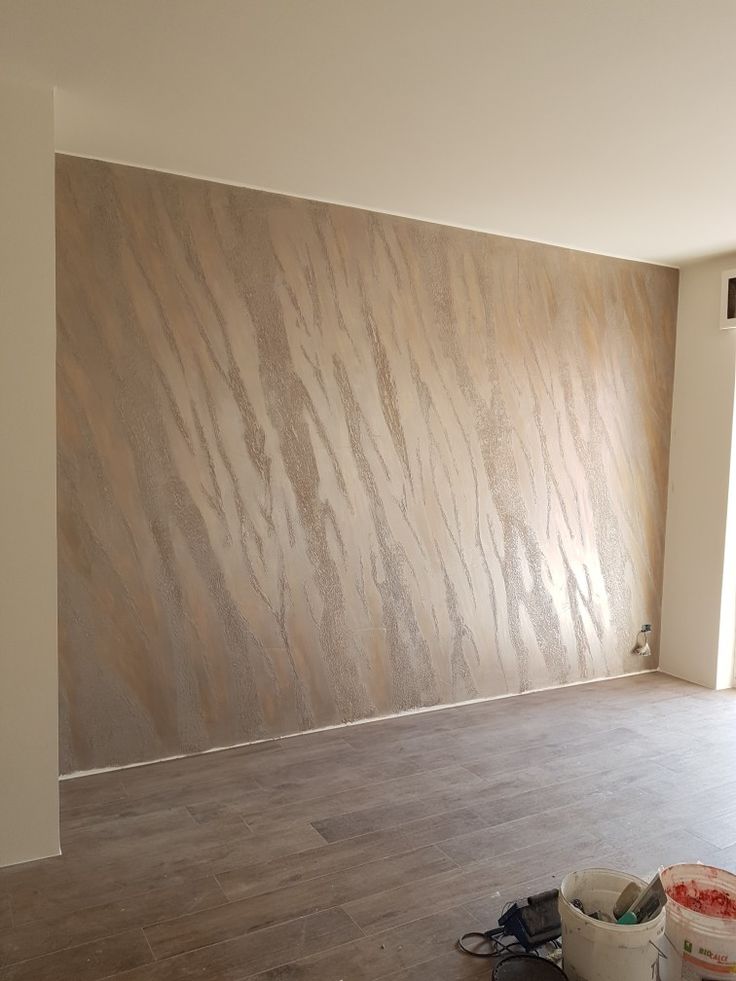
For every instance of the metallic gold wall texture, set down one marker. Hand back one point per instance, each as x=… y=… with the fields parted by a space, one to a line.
x=318 y=464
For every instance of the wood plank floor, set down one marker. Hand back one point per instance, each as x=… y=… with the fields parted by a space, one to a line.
x=362 y=853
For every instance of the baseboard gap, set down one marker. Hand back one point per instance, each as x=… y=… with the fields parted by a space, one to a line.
x=422 y=710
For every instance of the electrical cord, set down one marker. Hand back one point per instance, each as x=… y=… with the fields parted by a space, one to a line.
x=497 y=946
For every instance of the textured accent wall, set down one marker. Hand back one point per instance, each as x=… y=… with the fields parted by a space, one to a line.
x=318 y=464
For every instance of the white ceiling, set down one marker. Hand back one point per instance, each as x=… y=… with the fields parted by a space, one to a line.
x=605 y=125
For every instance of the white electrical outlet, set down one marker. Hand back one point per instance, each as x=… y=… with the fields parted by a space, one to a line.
x=641 y=647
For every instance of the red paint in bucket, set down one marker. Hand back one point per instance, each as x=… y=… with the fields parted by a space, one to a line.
x=708 y=902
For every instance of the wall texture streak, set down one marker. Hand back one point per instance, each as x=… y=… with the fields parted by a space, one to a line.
x=318 y=464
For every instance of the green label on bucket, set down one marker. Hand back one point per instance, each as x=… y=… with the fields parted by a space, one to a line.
x=688 y=947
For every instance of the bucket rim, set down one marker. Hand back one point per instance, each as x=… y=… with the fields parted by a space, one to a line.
x=517 y=957
x=633 y=930
x=726 y=922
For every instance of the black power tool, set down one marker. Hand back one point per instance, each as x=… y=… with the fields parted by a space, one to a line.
x=528 y=923
x=533 y=921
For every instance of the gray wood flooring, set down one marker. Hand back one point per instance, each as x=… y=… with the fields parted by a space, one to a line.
x=361 y=853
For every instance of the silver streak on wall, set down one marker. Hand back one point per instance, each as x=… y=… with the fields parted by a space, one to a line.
x=318 y=464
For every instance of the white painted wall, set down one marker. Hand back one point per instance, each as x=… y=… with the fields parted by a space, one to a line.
x=699 y=601
x=512 y=116
x=29 y=810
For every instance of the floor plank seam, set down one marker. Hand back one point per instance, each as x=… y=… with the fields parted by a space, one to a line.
x=357 y=925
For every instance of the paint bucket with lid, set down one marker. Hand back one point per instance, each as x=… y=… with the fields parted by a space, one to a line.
x=593 y=950
x=701 y=928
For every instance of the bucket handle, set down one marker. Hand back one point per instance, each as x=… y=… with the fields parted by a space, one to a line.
x=656 y=976
x=660 y=952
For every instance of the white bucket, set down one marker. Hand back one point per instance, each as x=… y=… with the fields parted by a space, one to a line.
x=698 y=947
x=596 y=951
